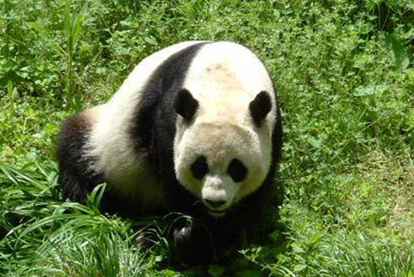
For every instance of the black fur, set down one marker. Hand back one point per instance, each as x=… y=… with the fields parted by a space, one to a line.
x=260 y=107
x=185 y=104
x=76 y=179
x=186 y=237
x=158 y=98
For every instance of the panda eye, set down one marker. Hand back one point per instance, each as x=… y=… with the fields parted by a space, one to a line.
x=199 y=168
x=237 y=170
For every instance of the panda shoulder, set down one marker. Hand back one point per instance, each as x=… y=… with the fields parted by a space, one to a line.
x=142 y=73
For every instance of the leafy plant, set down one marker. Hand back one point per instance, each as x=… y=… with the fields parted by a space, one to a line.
x=344 y=71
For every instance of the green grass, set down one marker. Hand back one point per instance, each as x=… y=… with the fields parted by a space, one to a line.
x=344 y=71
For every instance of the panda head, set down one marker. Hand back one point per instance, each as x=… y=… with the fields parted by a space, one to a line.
x=222 y=149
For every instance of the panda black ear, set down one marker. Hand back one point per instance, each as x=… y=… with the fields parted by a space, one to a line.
x=185 y=104
x=260 y=107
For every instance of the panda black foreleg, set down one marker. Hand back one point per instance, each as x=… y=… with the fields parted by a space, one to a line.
x=192 y=244
x=204 y=241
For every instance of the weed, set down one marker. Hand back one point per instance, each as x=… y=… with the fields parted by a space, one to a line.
x=344 y=71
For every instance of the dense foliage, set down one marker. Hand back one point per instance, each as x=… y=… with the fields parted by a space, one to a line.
x=345 y=74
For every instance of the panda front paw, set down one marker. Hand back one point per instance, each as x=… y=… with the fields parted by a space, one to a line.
x=192 y=245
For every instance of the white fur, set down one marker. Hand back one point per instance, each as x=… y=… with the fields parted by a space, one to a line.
x=225 y=77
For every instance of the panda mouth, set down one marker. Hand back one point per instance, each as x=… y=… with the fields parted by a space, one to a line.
x=216 y=213
x=215 y=210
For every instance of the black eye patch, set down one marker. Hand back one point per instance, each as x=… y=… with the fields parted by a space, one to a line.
x=199 y=168
x=237 y=170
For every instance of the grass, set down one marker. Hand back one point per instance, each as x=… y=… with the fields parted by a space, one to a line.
x=344 y=71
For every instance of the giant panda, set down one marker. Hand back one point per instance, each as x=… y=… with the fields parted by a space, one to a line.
x=196 y=129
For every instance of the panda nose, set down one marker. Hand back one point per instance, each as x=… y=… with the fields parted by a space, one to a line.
x=215 y=204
